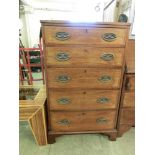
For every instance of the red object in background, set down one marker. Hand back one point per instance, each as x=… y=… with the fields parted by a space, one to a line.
x=27 y=65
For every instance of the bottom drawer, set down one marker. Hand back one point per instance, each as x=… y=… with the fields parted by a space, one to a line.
x=127 y=116
x=83 y=121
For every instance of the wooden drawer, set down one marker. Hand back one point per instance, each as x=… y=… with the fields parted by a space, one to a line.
x=84 y=35
x=82 y=121
x=127 y=116
x=82 y=99
x=130 y=82
x=129 y=99
x=83 y=78
x=80 y=56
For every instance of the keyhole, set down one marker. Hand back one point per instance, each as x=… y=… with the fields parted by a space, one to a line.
x=84 y=92
x=85 y=51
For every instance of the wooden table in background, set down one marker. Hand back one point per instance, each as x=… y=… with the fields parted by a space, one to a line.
x=33 y=111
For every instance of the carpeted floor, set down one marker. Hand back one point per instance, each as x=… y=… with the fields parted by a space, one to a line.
x=84 y=144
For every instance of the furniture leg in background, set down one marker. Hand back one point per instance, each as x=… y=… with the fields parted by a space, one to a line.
x=33 y=111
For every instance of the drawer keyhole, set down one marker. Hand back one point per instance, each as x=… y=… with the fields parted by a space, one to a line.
x=84 y=92
x=85 y=51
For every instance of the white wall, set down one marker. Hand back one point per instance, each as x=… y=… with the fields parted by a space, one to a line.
x=109 y=13
x=63 y=10
x=23 y=31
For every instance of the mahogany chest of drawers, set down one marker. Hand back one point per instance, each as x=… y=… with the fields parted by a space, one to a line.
x=84 y=65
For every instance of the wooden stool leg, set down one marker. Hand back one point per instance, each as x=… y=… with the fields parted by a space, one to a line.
x=38 y=126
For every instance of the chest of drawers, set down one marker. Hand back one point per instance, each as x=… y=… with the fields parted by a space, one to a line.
x=84 y=64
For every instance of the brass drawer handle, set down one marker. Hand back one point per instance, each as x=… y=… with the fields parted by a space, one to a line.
x=103 y=100
x=105 y=78
x=64 y=122
x=63 y=78
x=62 y=56
x=107 y=57
x=62 y=36
x=64 y=101
x=109 y=37
x=101 y=120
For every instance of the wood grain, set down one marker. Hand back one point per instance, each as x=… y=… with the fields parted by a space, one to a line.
x=90 y=24
x=84 y=35
x=129 y=99
x=84 y=69
x=127 y=116
x=83 y=78
x=83 y=99
x=26 y=112
x=84 y=57
x=81 y=121
x=130 y=56
x=38 y=125
x=33 y=111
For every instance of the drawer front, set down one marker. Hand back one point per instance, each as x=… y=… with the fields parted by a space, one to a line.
x=127 y=116
x=82 y=99
x=130 y=82
x=84 y=35
x=83 y=78
x=82 y=121
x=80 y=56
x=129 y=99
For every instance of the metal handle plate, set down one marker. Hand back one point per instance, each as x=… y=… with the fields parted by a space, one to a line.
x=64 y=122
x=107 y=57
x=62 y=36
x=62 y=56
x=63 y=78
x=101 y=120
x=109 y=37
x=105 y=78
x=64 y=101
x=103 y=100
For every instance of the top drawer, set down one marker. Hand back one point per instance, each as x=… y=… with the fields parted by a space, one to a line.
x=84 y=35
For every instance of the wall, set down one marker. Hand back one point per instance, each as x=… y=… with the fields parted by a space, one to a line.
x=23 y=30
x=61 y=10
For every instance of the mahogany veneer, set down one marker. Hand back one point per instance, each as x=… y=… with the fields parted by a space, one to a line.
x=84 y=65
